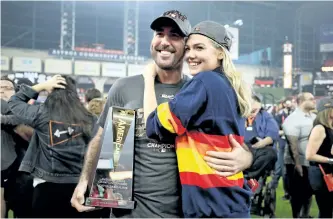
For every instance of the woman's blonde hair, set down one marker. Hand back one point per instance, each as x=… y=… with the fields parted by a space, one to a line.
x=323 y=118
x=235 y=78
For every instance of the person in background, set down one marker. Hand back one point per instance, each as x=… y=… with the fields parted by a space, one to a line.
x=8 y=152
x=297 y=127
x=319 y=152
x=280 y=117
x=260 y=134
x=91 y=94
x=63 y=127
x=96 y=106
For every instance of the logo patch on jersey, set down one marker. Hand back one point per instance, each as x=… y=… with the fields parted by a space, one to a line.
x=62 y=132
x=167 y=96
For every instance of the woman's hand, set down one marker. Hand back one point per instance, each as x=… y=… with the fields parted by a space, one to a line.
x=149 y=73
x=55 y=82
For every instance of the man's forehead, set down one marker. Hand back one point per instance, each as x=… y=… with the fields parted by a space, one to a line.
x=168 y=28
x=7 y=83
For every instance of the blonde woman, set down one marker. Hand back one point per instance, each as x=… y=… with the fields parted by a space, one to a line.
x=319 y=153
x=201 y=118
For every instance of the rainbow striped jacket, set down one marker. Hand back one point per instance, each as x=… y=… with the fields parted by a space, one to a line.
x=200 y=118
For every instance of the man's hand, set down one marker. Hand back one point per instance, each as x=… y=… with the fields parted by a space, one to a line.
x=259 y=144
x=299 y=169
x=77 y=200
x=229 y=163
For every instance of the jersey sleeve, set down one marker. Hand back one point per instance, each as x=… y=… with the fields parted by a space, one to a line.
x=175 y=117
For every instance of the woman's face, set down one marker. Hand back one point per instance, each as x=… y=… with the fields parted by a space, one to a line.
x=330 y=117
x=201 y=55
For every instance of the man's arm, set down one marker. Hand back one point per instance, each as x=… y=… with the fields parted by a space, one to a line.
x=10 y=120
x=91 y=156
x=293 y=144
x=292 y=133
x=229 y=163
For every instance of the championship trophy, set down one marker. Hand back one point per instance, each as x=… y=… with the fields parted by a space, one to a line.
x=112 y=182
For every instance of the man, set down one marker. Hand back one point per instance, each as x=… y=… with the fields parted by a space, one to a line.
x=156 y=178
x=281 y=116
x=8 y=153
x=15 y=136
x=261 y=133
x=297 y=128
x=91 y=94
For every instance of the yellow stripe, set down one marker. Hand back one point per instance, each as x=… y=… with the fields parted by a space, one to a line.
x=236 y=176
x=164 y=115
x=189 y=160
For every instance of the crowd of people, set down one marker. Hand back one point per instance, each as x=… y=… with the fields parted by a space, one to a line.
x=220 y=136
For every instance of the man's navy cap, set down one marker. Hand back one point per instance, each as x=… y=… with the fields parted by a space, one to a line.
x=324 y=103
x=215 y=32
x=175 y=17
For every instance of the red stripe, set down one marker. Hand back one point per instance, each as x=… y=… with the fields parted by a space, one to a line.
x=177 y=124
x=208 y=180
x=214 y=140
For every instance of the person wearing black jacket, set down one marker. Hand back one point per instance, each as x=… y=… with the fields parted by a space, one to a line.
x=63 y=127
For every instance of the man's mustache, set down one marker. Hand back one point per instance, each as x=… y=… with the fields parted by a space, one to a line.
x=165 y=48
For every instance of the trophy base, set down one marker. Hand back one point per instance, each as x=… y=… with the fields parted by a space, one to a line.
x=109 y=203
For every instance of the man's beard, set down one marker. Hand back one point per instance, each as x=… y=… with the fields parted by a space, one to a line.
x=176 y=64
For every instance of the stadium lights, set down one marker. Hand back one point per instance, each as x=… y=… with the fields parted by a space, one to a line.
x=238 y=23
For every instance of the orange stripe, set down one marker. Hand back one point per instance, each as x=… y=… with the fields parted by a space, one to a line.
x=177 y=124
x=216 y=140
x=208 y=180
x=202 y=148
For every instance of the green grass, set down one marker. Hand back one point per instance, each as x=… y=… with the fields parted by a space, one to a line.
x=283 y=209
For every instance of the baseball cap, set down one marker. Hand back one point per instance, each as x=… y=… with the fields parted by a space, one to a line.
x=175 y=17
x=324 y=103
x=215 y=32
x=258 y=97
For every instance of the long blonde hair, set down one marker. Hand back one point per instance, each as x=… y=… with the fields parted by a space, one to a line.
x=323 y=118
x=235 y=78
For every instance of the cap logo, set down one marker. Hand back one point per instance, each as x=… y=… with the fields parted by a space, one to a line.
x=175 y=14
x=197 y=29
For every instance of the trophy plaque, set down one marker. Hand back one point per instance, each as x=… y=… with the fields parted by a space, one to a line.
x=112 y=182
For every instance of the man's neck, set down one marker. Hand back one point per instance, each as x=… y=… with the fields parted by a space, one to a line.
x=169 y=77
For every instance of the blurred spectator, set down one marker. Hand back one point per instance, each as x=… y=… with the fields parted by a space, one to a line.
x=14 y=142
x=260 y=134
x=283 y=113
x=96 y=106
x=92 y=93
x=297 y=127
x=319 y=152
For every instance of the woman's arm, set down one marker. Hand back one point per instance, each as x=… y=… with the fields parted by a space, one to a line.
x=317 y=137
x=172 y=118
x=149 y=98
